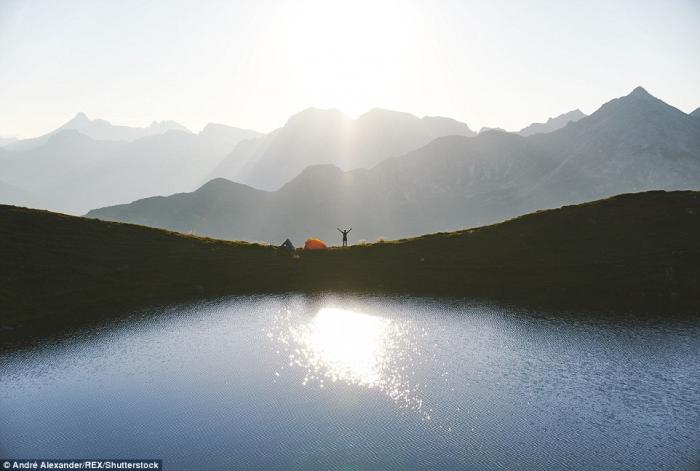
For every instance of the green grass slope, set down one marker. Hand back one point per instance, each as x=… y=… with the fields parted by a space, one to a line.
x=633 y=251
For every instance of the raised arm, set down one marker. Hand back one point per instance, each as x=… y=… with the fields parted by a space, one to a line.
x=349 y=229
x=339 y=230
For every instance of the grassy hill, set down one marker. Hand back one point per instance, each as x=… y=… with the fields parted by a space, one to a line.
x=635 y=251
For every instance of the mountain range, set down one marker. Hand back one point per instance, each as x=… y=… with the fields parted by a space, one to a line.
x=73 y=170
x=629 y=144
x=329 y=137
x=98 y=129
x=87 y=163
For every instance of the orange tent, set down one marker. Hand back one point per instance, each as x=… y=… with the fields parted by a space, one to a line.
x=315 y=244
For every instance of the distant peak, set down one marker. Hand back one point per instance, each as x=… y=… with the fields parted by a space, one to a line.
x=78 y=122
x=311 y=115
x=216 y=127
x=312 y=111
x=216 y=183
x=574 y=115
x=321 y=169
x=166 y=126
x=384 y=112
x=635 y=105
x=488 y=129
x=80 y=118
x=639 y=92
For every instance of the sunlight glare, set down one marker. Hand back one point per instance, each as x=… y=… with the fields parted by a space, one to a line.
x=354 y=348
x=348 y=345
x=347 y=55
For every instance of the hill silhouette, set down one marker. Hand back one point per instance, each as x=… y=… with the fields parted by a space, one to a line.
x=631 y=251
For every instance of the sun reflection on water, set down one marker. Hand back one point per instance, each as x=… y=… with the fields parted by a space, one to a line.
x=355 y=348
x=345 y=345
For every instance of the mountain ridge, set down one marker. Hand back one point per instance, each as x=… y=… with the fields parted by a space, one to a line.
x=552 y=124
x=72 y=172
x=316 y=136
x=99 y=129
x=631 y=144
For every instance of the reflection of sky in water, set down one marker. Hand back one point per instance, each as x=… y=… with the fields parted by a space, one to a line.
x=342 y=345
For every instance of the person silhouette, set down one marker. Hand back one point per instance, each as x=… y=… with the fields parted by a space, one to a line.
x=345 y=235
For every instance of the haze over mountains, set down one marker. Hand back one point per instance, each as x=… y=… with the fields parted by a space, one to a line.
x=329 y=137
x=74 y=169
x=630 y=144
x=87 y=163
x=98 y=129
x=390 y=173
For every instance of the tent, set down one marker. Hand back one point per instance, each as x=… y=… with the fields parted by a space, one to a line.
x=315 y=244
x=287 y=245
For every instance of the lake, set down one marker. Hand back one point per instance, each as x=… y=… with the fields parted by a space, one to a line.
x=353 y=382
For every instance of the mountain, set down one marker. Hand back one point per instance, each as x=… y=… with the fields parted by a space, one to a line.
x=102 y=130
x=552 y=124
x=634 y=143
x=631 y=144
x=72 y=172
x=487 y=129
x=643 y=245
x=329 y=137
x=421 y=191
x=441 y=126
x=61 y=156
x=99 y=129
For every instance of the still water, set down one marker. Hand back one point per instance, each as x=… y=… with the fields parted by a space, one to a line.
x=345 y=382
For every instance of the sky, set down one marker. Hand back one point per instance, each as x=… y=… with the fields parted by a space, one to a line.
x=254 y=63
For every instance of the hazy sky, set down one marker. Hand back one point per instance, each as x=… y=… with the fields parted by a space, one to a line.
x=254 y=63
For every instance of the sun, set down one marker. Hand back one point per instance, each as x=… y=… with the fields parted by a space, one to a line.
x=349 y=55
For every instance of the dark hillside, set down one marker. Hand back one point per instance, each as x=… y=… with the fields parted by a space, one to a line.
x=635 y=251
